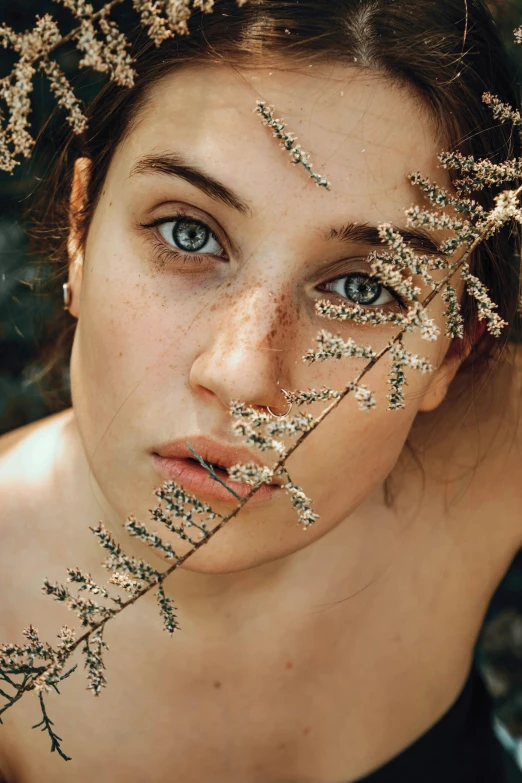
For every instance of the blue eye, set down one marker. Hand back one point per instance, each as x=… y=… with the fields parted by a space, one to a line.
x=190 y=235
x=361 y=289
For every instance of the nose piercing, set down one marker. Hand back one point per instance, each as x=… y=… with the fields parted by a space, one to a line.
x=279 y=416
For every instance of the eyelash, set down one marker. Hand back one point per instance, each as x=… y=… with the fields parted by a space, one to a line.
x=167 y=254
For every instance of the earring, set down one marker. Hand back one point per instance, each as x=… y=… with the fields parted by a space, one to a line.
x=66 y=296
x=279 y=416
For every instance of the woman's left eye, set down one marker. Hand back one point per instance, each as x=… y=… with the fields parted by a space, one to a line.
x=189 y=235
x=361 y=289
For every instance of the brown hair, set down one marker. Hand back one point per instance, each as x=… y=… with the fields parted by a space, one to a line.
x=448 y=52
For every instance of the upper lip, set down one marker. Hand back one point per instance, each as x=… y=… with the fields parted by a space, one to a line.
x=210 y=451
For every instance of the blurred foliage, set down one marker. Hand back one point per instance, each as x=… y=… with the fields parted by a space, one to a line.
x=499 y=651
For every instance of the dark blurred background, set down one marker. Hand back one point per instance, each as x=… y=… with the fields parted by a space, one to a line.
x=23 y=311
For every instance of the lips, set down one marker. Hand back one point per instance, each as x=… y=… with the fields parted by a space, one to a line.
x=174 y=460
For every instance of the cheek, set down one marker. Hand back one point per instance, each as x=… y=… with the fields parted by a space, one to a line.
x=349 y=455
x=132 y=342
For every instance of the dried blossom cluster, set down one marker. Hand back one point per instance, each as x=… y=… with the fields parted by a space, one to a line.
x=297 y=154
x=31 y=46
x=165 y=18
x=104 y=48
x=39 y=665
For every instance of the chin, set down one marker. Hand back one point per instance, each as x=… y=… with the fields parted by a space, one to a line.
x=213 y=566
x=226 y=559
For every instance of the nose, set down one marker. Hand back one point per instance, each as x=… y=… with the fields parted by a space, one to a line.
x=247 y=351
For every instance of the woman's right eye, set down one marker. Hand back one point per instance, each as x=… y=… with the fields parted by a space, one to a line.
x=190 y=236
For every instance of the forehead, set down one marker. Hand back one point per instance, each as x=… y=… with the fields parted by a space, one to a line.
x=361 y=131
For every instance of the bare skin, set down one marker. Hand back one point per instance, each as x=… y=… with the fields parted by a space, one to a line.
x=297 y=662
x=391 y=660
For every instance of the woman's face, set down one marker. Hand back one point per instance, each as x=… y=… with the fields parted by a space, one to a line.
x=167 y=337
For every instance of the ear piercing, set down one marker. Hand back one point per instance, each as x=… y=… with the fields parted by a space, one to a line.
x=66 y=296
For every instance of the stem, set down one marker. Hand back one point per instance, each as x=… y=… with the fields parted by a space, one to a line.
x=210 y=470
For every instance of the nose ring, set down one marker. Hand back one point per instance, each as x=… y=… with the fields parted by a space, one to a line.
x=279 y=416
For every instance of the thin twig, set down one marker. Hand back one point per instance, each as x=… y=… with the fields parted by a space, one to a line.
x=209 y=468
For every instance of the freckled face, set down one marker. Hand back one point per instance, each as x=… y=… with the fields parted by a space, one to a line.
x=187 y=302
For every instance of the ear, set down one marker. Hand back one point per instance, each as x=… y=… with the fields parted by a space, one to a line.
x=442 y=377
x=74 y=248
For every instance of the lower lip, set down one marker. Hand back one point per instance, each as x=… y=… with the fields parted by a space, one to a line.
x=196 y=479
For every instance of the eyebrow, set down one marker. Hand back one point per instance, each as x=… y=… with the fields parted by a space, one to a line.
x=175 y=164
x=416 y=238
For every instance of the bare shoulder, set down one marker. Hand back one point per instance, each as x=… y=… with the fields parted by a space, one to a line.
x=25 y=501
x=26 y=458
x=26 y=486
x=27 y=490
x=31 y=441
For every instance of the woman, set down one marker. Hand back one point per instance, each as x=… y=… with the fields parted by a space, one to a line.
x=194 y=255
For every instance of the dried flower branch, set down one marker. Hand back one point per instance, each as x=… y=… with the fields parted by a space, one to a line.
x=104 y=48
x=502 y=111
x=15 y=89
x=296 y=152
x=258 y=428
